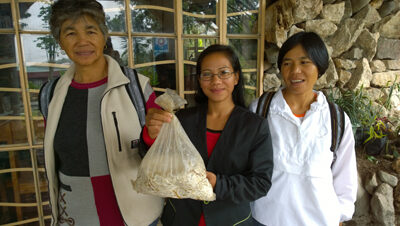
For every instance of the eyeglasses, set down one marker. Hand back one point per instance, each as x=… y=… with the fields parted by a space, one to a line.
x=207 y=76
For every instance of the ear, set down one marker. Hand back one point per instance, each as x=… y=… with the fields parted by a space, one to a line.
x=236 y=78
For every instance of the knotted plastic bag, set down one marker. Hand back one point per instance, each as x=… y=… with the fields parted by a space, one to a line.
x=172 y=166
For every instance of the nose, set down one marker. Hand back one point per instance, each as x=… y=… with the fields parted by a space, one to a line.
x=295 y=68
x=215 y=78
x=82 y=38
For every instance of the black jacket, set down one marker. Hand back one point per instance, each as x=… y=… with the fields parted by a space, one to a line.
x=242 y=160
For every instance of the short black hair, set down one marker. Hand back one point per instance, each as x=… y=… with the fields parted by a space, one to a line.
x=238 y=91
x=312 y=44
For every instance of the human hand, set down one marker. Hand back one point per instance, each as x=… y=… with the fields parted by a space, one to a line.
x=212 y=178
x=154 y=120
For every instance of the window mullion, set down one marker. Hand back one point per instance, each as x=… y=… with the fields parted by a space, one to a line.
x=261 y=47
x=179 y=48
x=222 y=21
x=130 y=33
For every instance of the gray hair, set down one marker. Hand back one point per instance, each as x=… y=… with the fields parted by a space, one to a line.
x=63 y=10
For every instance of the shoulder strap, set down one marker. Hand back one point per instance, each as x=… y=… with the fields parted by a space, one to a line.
x=263 y=104
x=135 y=92
x=337 y=124
x=45 y=95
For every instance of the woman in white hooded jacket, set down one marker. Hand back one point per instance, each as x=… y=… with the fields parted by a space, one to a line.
x=308 y=187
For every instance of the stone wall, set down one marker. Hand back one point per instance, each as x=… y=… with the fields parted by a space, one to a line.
x=363 y=40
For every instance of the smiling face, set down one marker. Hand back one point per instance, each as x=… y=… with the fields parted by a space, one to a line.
x=298 y=71
x=83 y=41
x=218 y=90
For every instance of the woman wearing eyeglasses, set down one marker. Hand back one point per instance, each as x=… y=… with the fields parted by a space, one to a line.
x=234 y=143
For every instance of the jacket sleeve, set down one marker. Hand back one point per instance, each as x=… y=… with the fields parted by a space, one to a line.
x=149 y=97
x=344 y=172
x=256 y=180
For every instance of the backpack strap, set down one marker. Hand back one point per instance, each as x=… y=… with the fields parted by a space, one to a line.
x=263 y=104
x=337 y=125
x=135 y=93
x=45 y=95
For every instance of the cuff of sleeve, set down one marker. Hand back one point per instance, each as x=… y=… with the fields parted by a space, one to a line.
x=146 y=137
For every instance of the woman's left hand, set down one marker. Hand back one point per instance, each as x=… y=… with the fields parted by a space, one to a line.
x=212 y=178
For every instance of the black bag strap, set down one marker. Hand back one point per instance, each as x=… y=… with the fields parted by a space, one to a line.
x=45 y=95
x=135 y=92
x=337 y=119
x=263 y=104
x=337 y=126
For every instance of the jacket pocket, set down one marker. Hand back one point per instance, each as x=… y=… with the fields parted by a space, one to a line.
x=117 y=129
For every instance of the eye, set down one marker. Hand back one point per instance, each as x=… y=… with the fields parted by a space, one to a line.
x=70 y=34
x=285 y=63
x=225 y=73
x=305 y=62
x=206 y=75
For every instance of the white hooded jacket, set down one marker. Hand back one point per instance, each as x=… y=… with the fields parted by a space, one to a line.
x=306 y=188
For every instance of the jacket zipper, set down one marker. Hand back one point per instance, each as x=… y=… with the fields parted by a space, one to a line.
x=245 y=219
x=116 y=127
x=108 y=165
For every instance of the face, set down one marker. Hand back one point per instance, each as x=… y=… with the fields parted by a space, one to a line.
x=82 y=40
x=217 y=89
x=298 y=71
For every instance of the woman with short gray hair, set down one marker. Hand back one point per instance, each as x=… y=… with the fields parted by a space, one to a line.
x=93 y=129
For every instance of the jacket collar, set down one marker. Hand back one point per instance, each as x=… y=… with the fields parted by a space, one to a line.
x=115 y=75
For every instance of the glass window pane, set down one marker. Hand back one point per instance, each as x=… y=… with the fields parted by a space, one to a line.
x=35 y=104
x=5 y=16
x=37 y=76
x=249 y=96
x=152 y=21
x=9 y=78
x=163 y=3
x=34 y=16
x=200 y=26
x=151 y=73
x=7 y=49
x=115 y=15
x=243 y=24
x=17 y=187
x=190 y=99
x=153 y=49
x=250 y=79
x=193 y=47
x=40 y=161
x=246 y=50
x=11 y=104
x=190 y=79
x=203 y=7
x=44 y=190
x=42 y=49
x=118 y=49
x=166 y=75
x=242 y=5
x=12 y=132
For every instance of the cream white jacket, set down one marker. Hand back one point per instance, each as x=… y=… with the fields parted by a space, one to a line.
x=136 y=209
x=305 y=189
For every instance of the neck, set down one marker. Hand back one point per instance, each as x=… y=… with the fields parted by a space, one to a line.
x=218 y=114
x=220 y=109
x=299 y=103
x=91 y=73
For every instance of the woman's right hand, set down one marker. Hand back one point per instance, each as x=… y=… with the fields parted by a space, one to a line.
x=154 y=120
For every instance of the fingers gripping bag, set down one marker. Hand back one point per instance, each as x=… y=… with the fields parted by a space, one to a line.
x=172 y=166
